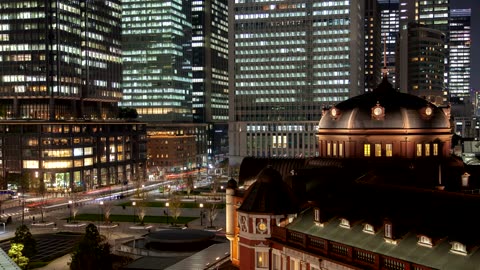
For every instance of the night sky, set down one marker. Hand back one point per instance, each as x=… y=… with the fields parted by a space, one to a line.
x=475 y=49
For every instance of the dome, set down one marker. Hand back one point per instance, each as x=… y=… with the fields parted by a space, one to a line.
x=269 y=194
x=385 y=108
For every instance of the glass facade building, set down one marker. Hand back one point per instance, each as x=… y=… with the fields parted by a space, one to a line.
x=157 y=59
x=389 y=10
x=60 y=66
x=460 y=46
x=290 y=59
x=210 y=73
x=373 y=45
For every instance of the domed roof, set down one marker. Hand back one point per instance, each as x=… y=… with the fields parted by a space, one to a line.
x=269 y=194
x=385 y=107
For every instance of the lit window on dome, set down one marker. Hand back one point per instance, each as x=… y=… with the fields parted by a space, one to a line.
x=427 y=149
x=388 y=150
x=419 y=150
x=366 y=150
x=378 y=150
x=435 y=149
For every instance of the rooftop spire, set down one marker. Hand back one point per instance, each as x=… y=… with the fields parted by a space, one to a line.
x=385 y=69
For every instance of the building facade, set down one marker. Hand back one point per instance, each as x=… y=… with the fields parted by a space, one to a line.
x=289 y=61
x=367 y=208
x=374 y=45
x=60 y=85
x=390 y=22
x=210 y=73
x=460 y=46
x=157 y=59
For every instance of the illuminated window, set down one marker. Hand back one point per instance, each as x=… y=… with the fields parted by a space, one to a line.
x=435 y=149
x=378 y=150
x=419 y=150
x=366 y=150
x=388 y=230
x=262 y=259
x=334 y=149
x=458 y=248
x=30 y=164
x=329 y=150
x=368 y=228
x=427 y=149
x=276 y=261
x=316 y=214
x=344 y=223
x=425 y=241
x=340 y=149
x=388 y=150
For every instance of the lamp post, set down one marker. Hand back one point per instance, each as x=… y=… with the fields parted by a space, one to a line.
x=101 y=211
x=70 y=207
x=201 y=214
x=134 y=204
x=166 y=211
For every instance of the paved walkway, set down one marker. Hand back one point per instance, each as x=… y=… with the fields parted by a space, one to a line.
x=123 y=230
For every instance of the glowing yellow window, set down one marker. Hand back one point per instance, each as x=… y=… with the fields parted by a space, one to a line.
x=435 y=149
x=334 y=149
x=329 y=149
x=378 y=150
x=427 y=149
x=366 y=150
x=419 y=150
x=340 y=149
x=388 y=150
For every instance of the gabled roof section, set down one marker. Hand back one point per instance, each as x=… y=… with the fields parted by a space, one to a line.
x=270 y=195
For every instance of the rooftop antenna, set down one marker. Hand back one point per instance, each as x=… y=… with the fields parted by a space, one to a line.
x=385 y=69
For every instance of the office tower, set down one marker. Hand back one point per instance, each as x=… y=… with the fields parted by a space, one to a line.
x=288 y=61
x=389 y=10
x=460 y=43
x=156 y=44
x=157 y=70
x=375 y=45
x=210 y=73
x=423 y=15
x=425 y=70
x=60 y=66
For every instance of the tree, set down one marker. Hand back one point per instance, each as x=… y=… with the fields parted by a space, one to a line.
x=92 y=252
x=15 y=253
x=189 y=184
x=24 y=237
x=107 y=210
x=127 y=113
x=42 y=191
x=212 y=213
x=175 y=207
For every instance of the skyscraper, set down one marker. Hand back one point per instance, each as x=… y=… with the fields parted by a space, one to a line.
x=460 y=44
x=60 y=66
x=390 y=27
x=289 y=60
x=423 y=15
x=157 y=75
x=373 y=42
x=210 y=72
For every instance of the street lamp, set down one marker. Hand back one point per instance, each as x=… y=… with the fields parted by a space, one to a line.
x=70 y=207
x=201 y=214
x=166 y=211
x=101 y=213
x=134 y=204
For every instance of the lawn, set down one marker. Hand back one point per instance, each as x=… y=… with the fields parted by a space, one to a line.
x=129 y=218
x=182 y=205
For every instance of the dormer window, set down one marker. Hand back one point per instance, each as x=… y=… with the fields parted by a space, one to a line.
x=458 y=248
x=316 y=217
x=368 y=228
x=425 y=241
x=344 y=223
x=388 y=233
